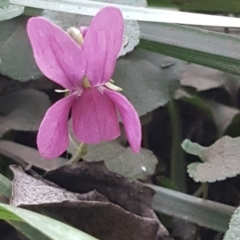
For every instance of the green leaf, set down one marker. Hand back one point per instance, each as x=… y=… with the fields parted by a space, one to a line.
x=27 y=231
x=202 y=212
x=142 y=74
x=211 y=49
x=220 y=160
x=17 y=61
x=230 y=6
x=4 y=3
x=193 y=148
x=10 y=12
x=166 y=183
x=234 y=227
x=121 y=160
x=52 y=228
x=5 y=186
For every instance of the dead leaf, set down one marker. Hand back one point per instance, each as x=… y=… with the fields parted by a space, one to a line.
x=223 y=115
x=98 y=217
x=26 y=190
x=85 y=177
x=201 y=78
x=126 y=193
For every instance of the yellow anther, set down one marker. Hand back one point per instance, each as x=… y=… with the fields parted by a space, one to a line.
x=86 y=83
x=76 y=35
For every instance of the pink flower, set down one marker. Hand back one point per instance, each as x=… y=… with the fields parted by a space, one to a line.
x=84 y=70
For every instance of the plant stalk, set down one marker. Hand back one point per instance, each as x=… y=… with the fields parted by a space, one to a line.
x=81 y=151
x=178 y=168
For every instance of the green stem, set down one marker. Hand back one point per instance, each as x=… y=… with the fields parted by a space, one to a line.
x=178 y=175
x=205 y=190
x=5 y=186
x=197 y=233
x=199 y=191
x=81 y=151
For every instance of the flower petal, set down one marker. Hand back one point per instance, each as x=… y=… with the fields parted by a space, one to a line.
x=57 y=55
x=94 y=117
x=83 y=30
x=52 y=139
x=129 y=117
x=102 y=44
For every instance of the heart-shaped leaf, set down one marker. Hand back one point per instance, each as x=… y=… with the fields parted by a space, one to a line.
x=220 y=160
x=122 y=160
x=234 y=228
x=22 y=110
x=149 y=80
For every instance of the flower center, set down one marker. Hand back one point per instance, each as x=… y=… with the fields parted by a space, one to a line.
x=77 y=36
x=86 y=83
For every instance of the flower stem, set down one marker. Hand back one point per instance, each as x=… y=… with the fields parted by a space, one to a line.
x=81 y=151
x=178 y=167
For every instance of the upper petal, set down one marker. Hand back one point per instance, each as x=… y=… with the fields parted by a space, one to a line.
x=52 y=138
x=129 y=117
x=57 y=55
x=102 y=44
x=94 y=117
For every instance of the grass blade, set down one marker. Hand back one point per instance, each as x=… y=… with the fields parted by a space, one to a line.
x=202 y=212
x=207 y=48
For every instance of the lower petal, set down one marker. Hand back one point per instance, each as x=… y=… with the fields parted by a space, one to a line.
x=129 y=117
x=94 y=117
x=52 y=139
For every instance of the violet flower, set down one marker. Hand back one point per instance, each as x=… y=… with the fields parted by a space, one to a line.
x=84 y=69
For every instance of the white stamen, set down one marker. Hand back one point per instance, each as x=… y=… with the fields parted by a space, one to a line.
x=61 y=90
x=113 y=87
